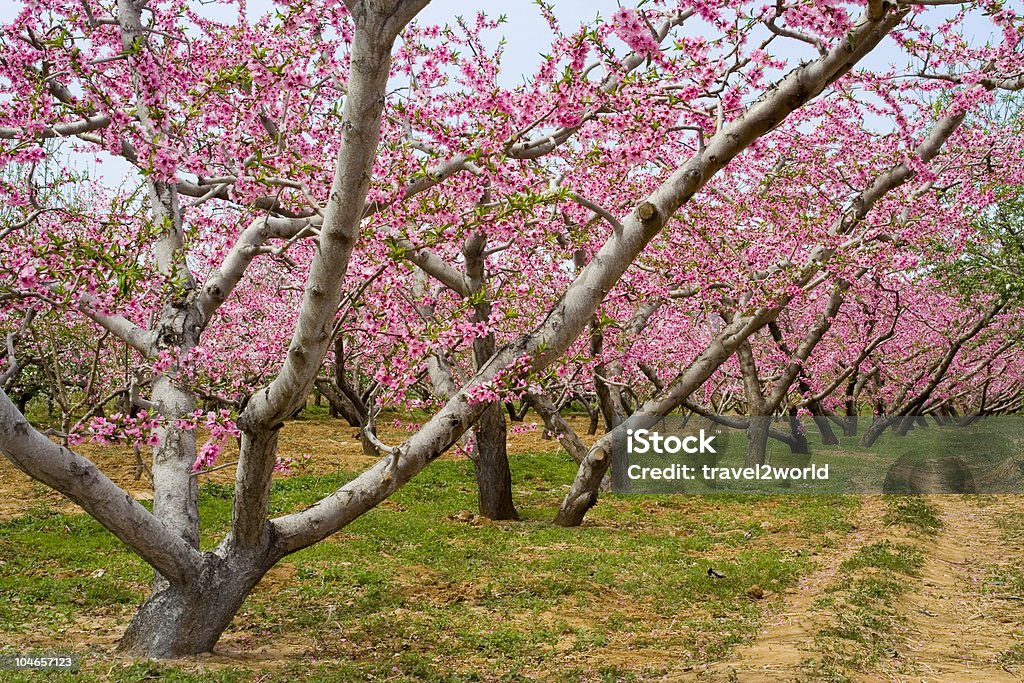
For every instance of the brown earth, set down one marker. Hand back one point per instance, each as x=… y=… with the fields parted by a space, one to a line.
x=960 y=625
x=328 y=444
x=777 y=653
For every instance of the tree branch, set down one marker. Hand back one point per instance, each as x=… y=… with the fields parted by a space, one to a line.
x=81 y=481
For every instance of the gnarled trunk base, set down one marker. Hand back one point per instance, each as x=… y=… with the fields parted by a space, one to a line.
x=877 y=428
x=178 y=621
x=583 y=493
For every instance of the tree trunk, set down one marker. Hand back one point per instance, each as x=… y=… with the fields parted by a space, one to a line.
x=799 y=443
x=828 y=437
x=760 y=421
x=757 y=441
x=851 y=425
x=176 y=622
x=556 y=424
x=493 y=476
x=583 y=492
x=878 y=426
x=175 y=490
x=514 y=414
x=179 y=621
x=907 y=424
x=595 y=416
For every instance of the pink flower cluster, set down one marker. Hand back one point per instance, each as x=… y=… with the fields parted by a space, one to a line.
x=634 y=31
x=221 y=427
x=137 y=430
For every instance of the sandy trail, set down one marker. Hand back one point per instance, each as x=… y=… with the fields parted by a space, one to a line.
x=957 y=625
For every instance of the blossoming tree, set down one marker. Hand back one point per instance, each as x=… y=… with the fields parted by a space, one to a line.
x=299 y=172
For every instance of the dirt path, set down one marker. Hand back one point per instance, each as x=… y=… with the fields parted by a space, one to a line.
x=959 y=627
x=776 y=655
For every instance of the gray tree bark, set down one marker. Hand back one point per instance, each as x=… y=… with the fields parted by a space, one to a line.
x=493 y=474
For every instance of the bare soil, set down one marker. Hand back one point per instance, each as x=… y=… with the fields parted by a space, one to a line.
x=788 y=633
x=960 y=625
x=317 y=446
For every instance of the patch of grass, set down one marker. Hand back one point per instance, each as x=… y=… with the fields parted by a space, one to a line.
x=1013 y=655
x=419 y=589
x=1012 y=526
x=93 y=671
x=1007 y=581
x=912 y=512
x=56 y=568
x=864 y=630
x=901 y=558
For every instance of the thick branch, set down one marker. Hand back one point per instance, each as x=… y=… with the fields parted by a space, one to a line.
x=378 y=24
x=222 y=281
x=556 y=424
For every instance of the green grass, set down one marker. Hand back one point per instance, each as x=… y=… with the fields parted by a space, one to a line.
x=418 y=589
x=901 y=558
x=1012 y=526
x=914 y=513
x=55 y=565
